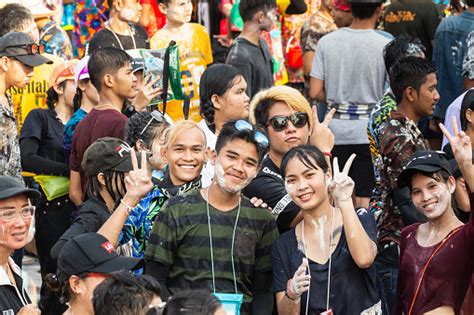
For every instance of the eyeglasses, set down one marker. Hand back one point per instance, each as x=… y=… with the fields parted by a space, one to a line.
x=31 y=49
x=24 y=213
x=155 y=115
x=261 y=139
x=279 y=123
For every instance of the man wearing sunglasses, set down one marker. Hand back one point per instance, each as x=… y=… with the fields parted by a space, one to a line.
x=289 y=121
x=19 y=54
x=214 y=238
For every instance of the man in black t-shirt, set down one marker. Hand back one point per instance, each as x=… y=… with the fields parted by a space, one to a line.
x=416 y=18
x=250 y=53
x=121 y=30
x=289 y=121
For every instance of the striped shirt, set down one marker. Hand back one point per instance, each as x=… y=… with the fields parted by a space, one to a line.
x=180 y=239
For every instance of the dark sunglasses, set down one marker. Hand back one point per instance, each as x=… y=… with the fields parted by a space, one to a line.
x=155 y=115
x=261 y=139
x=279 y=123
x=31 y=49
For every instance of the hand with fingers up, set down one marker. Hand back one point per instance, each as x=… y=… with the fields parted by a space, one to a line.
x=138 y=181
x=462 y=150
x=147 y=93
x=341 y=186
x=321 y=136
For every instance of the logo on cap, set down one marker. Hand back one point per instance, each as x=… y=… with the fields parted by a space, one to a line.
x=108 y=247
x=122 y=148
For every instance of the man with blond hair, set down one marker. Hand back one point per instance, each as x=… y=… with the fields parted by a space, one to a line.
x=289 y=121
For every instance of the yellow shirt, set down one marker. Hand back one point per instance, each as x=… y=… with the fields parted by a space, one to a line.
x=33 y=95
x=195 y=54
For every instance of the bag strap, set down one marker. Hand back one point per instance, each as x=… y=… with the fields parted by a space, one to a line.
x=444 y=241
x=166 y=75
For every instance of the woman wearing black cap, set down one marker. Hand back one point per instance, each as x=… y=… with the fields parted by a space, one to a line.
x=427 y=281
x=84 y=262
x=16 y=213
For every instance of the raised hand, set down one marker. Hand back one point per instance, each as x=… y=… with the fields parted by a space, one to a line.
x=299 y=284
x=460 y=144
x=341 y=186
x=321 y=136
x=138 y=181
x=147 y=93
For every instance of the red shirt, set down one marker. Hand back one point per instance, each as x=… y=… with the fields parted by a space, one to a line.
x=96 y=124
x=448 y=275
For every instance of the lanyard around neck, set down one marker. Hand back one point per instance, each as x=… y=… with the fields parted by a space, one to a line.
x=212 y=249
x=132 y=35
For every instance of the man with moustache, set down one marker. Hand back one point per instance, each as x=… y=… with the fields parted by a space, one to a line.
x=214 y=238
x=289 y=121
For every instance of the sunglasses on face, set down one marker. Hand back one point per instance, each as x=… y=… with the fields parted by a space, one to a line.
x=31 y=49
x=261 y=139
x=279 y=123
x=155 y=115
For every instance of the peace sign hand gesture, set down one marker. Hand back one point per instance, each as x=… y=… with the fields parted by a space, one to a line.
x=138 y=181
x=321 y=136
x=341 y=186
x=460 y=144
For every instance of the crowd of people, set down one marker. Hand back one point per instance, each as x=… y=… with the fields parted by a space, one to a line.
x=237 y=157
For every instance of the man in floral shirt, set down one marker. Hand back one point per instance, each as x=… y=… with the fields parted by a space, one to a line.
x=18 y=57
x=413 y=82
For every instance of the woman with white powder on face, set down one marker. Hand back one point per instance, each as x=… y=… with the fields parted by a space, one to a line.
x=325 y=264
x=436 y=257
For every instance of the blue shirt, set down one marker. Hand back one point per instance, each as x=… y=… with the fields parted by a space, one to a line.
x=69 y=131
x=448 y=54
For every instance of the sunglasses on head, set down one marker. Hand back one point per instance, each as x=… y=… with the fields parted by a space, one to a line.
x=261 y=139
x=155 y=115
x=279 y=123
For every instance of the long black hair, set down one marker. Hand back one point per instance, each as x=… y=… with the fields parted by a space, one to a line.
x=114 y=184
x=52 y=97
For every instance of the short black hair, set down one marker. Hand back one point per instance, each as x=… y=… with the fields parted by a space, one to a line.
x=308 y=155
x=192 y=302
x=469 y=3
x=467 y=103
x=229 y=133
x=409 y=72
x=402 y=46
x=106 y=61
x=364 y=11
x=13 y=18
x=248 y=8
x=121 y=294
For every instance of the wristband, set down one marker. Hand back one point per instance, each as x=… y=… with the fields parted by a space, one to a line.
x=127 y=207
x=295 y=301
x=289 y=293
x=328 y=154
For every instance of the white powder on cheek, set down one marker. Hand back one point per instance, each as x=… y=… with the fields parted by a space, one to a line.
x=443 y=196
x=289 y=188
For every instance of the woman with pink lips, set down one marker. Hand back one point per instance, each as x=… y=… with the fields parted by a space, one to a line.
x=223 y=96
x=16 y=213
x=436 y=257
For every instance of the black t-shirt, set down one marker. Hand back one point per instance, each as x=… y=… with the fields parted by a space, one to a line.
x=254 y=62
x=352 y=290
x=416 y=18
x=44 y=132
x=10 y=300
x=270 y=187
x=105 y=38
x=92 y=215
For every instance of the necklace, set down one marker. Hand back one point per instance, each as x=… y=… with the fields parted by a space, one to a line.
x=330 y=261
x=132 y=35
x=212 y=249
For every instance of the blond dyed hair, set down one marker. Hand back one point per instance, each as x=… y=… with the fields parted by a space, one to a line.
x=285 y=94
x=179 y=127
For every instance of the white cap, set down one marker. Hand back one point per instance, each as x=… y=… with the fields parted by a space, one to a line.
x=81 y=71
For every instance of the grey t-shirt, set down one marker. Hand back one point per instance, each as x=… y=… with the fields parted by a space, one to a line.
x=351 y=64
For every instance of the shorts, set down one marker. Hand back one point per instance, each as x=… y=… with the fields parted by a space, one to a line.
x=362 y=170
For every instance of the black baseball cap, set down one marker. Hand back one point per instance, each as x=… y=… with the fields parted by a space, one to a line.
x=92 y=252
x=425 y=161
x=137 y=64
x=107 y=154
x=16 y=44
x=10 y=187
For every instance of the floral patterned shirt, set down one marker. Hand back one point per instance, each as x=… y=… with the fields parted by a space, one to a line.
x=10 y=161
